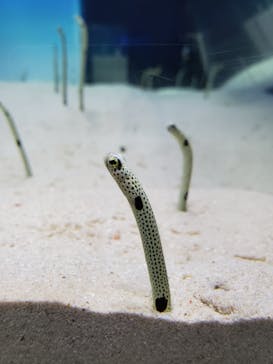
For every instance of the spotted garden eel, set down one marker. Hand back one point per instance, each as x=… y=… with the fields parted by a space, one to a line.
x=138 y=200
x=64 y=64
x=17 y=139
x=187 y=165
x=84 y=48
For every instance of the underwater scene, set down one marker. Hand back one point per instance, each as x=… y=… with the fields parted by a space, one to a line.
x=136 y=181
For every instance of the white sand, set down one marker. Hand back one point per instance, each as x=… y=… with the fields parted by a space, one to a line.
x=69 y=242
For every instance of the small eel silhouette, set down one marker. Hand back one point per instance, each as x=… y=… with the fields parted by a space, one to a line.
x=187 y=165
x=64 y=64
x=17 y=139
x=138 y=200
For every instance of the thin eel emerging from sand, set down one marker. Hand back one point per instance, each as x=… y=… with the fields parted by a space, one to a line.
x=187 y=165
x=17 y=139
x=143 y=212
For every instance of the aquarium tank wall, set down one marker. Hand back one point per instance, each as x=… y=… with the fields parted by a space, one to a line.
x=184 y=34
x=182 y=43
x=28 y=34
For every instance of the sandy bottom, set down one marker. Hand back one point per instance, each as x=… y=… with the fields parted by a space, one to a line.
x=74 y=284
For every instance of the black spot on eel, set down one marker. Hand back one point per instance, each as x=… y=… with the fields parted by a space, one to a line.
x=138 y=200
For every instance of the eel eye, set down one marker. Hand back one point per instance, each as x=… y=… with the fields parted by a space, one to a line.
x=115 y=163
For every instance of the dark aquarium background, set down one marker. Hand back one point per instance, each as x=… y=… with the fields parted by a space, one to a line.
x=183 y=43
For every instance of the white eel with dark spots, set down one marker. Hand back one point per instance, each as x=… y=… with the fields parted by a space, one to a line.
x=146 y=222
x=187 y=165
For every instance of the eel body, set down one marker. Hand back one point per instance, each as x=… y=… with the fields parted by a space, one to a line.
x=133 y=191
x=17 y=139
x=187 y=165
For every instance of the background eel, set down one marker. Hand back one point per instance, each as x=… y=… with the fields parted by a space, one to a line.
x=187 y=165
x=145 y=219
x=17 y=139
x=84 y=48
x=64 y=63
